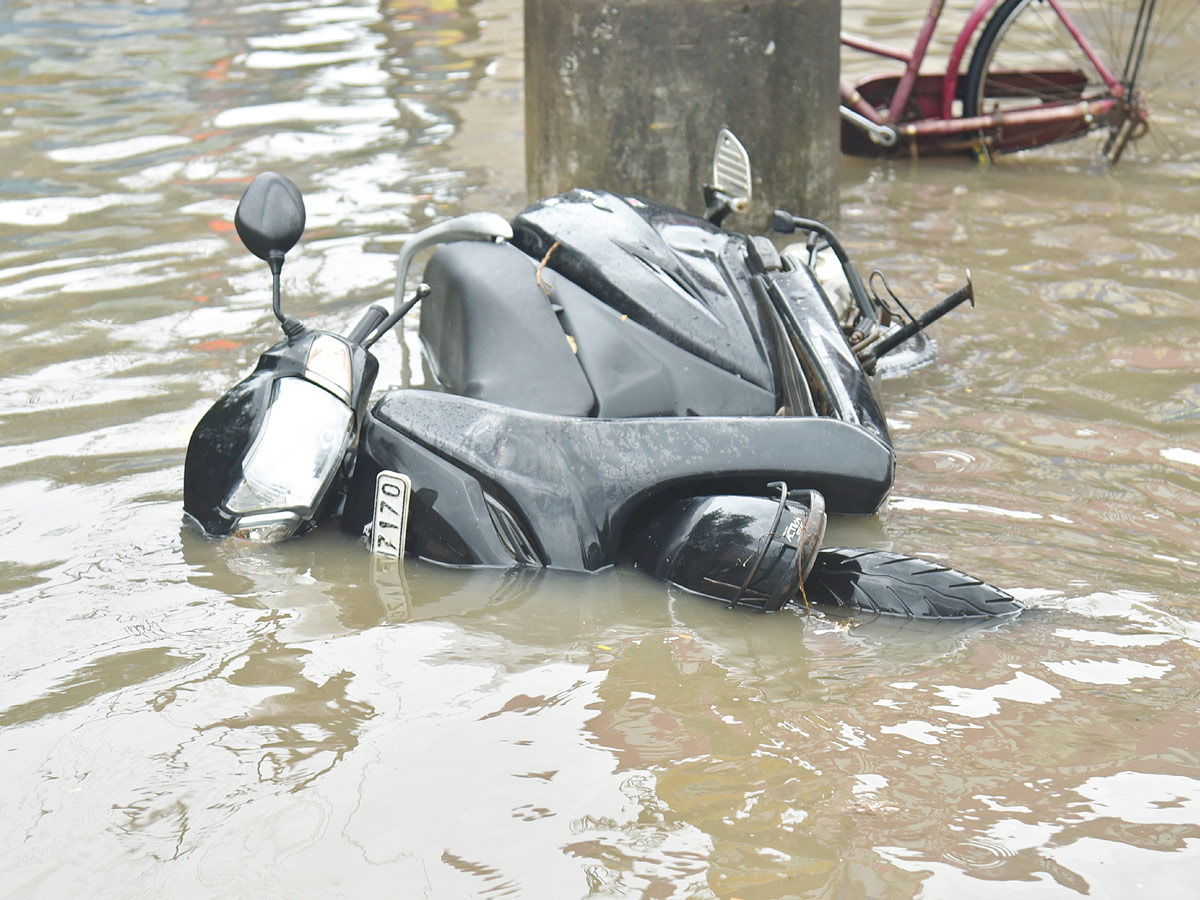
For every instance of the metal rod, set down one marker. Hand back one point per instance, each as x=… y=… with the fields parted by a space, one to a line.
x=1106 y=74
x=1088 y=109
x=875 y=48
x=909 y=78
x=883 y=135
x=927 y=318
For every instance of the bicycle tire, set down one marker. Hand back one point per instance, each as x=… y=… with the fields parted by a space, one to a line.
x=1019 y=36
x=889 y=584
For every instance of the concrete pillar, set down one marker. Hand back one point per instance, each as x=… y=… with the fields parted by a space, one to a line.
x=628 y=96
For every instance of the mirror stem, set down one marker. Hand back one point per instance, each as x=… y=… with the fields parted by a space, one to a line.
x=717 y=204
x=291 y=327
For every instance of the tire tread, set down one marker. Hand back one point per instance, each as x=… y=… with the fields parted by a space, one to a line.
x=885 y=583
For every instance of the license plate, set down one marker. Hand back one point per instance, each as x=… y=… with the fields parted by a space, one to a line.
x=390 y=525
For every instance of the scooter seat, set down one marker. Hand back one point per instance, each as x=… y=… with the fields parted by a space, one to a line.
x=571 y=484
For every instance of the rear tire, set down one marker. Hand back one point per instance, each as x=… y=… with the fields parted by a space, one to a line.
x=883 y=583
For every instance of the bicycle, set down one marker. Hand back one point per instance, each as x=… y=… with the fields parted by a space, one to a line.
x=1036 y=77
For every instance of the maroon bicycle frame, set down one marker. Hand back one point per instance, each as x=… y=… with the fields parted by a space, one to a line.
x=935 y=128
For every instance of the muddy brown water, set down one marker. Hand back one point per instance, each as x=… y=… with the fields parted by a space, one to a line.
x=192 y=719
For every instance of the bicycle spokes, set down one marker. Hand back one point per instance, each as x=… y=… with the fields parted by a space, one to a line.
x=1041 y=72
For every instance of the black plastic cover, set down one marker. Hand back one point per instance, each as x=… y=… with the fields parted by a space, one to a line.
x=491 y=332
x=743 y=550
x=448 y=520
x=574 y=484
x=217 y=447
x=670 y=271
x=837 y=381
x=635 y=372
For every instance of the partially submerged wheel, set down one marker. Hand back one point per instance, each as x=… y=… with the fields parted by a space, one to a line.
x=883 y=583
x=1027 y=59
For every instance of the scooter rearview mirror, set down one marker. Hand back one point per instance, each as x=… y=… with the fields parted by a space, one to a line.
x=269 y=220
x=270 y=216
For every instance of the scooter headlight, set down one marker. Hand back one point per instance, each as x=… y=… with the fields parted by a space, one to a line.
x=292 y=462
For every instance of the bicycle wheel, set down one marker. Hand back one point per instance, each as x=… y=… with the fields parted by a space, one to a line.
x=1027 y=59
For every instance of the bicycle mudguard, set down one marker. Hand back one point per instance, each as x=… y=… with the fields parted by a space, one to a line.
x=560 y=490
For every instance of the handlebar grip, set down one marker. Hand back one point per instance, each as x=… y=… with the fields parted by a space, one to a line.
x=367 y=324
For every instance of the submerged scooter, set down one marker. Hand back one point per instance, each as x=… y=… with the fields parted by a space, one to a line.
x=620 y=382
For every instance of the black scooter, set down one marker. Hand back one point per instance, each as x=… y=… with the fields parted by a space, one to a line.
x=621 y=383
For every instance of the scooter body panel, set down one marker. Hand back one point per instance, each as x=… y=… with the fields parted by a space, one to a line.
x=575 y=354
x=573 y=484
x=663 y=268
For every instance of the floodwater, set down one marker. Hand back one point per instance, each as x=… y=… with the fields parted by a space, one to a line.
x=182 y=718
